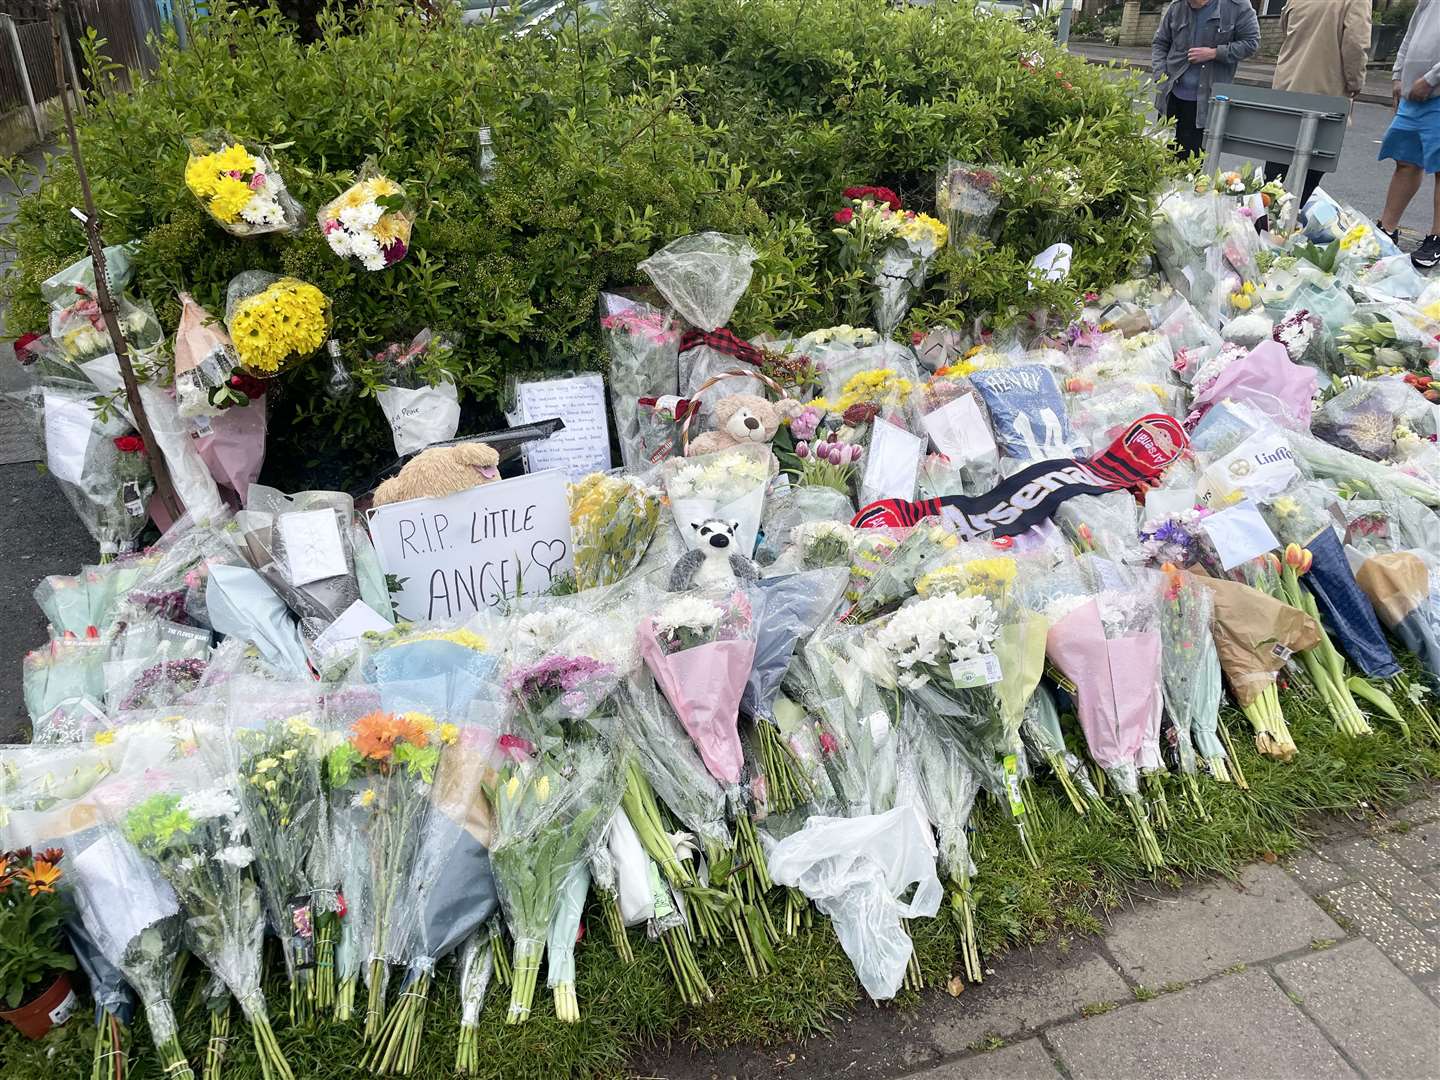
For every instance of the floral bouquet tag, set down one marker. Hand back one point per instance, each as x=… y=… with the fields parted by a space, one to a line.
x=975 y=671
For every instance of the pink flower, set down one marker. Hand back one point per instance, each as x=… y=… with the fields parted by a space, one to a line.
x=844 y=216
x=257 y=181
x=828 y=743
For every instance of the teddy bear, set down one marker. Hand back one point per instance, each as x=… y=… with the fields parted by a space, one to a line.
x=742 y=419
x=441 y=470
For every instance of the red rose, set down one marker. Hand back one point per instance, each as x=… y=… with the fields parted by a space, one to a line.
x=885 y=195
x=874 y=194
x=844 y=217
x=129 y=444
x=22 y=348
x=859 y=414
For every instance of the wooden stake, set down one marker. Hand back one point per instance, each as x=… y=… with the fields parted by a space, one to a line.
x=164 y=489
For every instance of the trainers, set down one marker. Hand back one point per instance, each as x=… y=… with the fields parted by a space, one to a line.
x=1427 y=255
x=1394 y=234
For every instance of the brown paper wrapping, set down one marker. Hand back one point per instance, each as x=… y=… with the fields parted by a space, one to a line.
x=459 y=795
x=1248 y=625
x=1396 y=582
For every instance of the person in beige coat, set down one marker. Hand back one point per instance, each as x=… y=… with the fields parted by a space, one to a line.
x=1322 y=52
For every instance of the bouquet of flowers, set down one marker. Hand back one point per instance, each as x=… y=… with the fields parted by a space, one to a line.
x=272 y=742
x=1107 y=643
x=966 y=197
x=380 y=777
x=700 y=647
x=435 y=669
x=950 y=661
x=451 y=889
x=369 y=221
x=729 y=484
x=950 y=786
x=274 y=322
x=1189 y=668
x=643 y=342
x=477 y=968
x=889 y=246
x=566 y=660
x=1041 y=730
x=415 y=386
x=194 y=833
x=613 y=519
x=888 y=571
x=240 y=188
x=702 y=276
x=79 y=330
x=794 y=605
x=547 y=819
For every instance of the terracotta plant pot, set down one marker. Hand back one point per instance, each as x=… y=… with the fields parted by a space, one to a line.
x=50 y=1009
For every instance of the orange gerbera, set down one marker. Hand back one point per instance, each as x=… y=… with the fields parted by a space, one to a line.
x=375 y=734
x=41 y=877
x=414 y=727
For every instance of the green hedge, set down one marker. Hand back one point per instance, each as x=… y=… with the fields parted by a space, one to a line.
x=612 y=139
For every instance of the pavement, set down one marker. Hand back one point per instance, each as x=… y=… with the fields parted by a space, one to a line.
x=1326 y=965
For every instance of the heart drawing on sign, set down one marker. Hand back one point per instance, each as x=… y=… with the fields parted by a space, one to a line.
x=549 y=554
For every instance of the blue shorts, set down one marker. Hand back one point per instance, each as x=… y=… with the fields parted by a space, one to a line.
x=1414 y=135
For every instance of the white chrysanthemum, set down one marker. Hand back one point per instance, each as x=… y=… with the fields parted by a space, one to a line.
x=938 y=631
x=684 y=481
x=190 y=864
x=1061 y=606
x=540 y=632
x=210 y=803
x=236 y=856
x=689 y=612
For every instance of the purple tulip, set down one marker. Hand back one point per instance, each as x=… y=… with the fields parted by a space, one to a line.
x=802 y=450
x=859 y=450
x=832 y=453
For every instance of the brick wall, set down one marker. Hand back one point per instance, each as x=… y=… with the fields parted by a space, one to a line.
x=1137 y=27
x=1270 y=36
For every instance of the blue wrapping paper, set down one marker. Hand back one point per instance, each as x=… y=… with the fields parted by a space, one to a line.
x=1346 y=612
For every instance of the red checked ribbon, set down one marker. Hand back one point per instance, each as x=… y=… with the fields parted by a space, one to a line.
x=725 y=341
x=1030 y=496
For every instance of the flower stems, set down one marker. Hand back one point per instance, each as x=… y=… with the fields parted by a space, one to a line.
x=914 y=977
x=1157 y=804
x=218 y=1042
x=1062 y=774
x=273 y=1065
x=526 y=969
x=1144 y=835
x=503 y=974
x=323 y=981
x=615 y=924
x=1234 y=762
x=110 y=1060
x=378 y=983
x=397 y=1048
x=345 y=1000
x=786 y=785
x=689 y=979
x=962 y=911
x=1272 y=735
x=302 y=999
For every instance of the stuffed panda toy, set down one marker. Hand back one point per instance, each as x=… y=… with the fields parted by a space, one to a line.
x=715 y=562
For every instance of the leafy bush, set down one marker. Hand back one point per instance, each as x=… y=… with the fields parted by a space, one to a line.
x=611 y=140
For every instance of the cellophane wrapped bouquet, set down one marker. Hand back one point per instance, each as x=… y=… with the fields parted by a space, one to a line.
x=1191 y=673
x=613 y=520
x=887 y=247
x=379 y=772
x=699 y=646
x=415 y=386
x=728 y=484
x=239 y=186
x=1105 y=638
x=966 y=198
x=369 y=221
x=188 y=823
x=643 y=341
x=274 y=322
x=549 y=814
x=451 y=892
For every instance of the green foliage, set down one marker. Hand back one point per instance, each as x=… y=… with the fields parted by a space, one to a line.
x=611 y=139
x=32 y=950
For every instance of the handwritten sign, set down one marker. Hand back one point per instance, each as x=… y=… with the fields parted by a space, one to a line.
x=467 y=552
x=583 y=447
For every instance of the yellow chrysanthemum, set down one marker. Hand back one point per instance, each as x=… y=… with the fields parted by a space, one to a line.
x=287 y=318
x=230 y=196
x=234 y=158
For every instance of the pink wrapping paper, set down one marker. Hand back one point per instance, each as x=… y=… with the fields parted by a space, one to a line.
x=1117 y=684
x=1264 y=378
x=703 y=686
x=234 y=450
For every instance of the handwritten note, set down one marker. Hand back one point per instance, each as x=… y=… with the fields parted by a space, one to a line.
x=313 y=550
x=67 y=434
x=473 y=550
x=583 y=447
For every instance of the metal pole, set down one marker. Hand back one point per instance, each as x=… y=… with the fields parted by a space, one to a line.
x=164 y=488
x=69 y=49
x=36 y=116
x=1062 y=34
x=1300 y=165
x=1215 y=131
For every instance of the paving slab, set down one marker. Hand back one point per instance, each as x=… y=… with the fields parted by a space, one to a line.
x=1402 y=941
x=1023 y=1061
x=1419 y=849
x=1028 y=990
x=1426 y=808
x=1389 y=877
x=1315 y=873
x=1236 y=1026
x=1381 y=1020
x=1202 y=932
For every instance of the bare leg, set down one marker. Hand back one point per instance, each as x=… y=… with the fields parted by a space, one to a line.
x=1435 y=213
x=1403 y=186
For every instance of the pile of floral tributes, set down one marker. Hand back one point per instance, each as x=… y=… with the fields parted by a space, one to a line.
x=962 y=565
